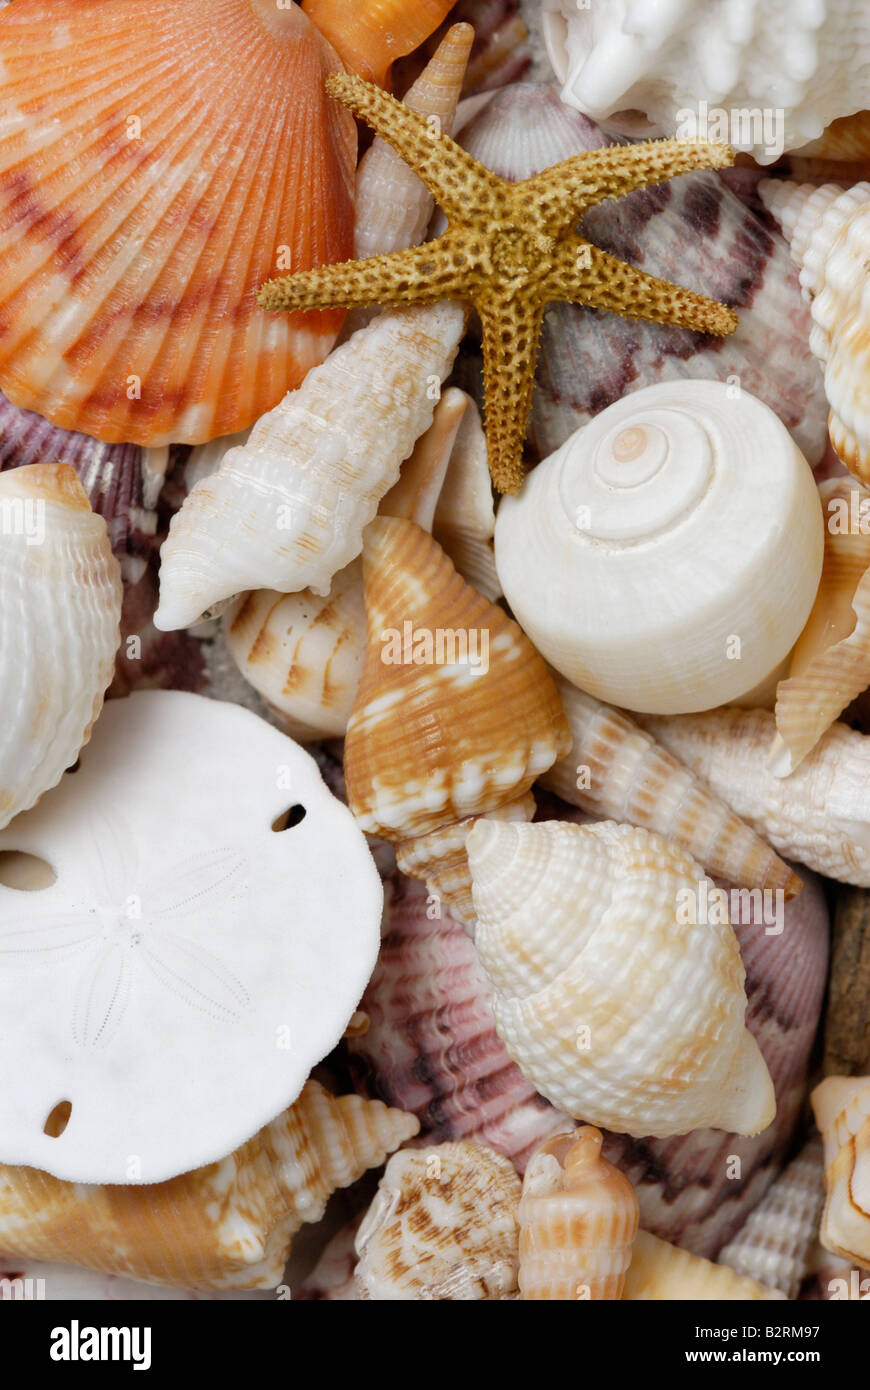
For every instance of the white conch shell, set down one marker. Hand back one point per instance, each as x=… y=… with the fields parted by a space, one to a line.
x=443 y=1225
x=304 y=652
x=225 y=1226
x=59 y=627
x=663 y=1273
x=830 y=664
x=666 y=557
x=578 y=1219
x=820 y=815
x=775 y=1243
x=733 y=61
x=614 y=1007
x=617 y=771
x=465 y=516
x=288 y=509
x=829 y=231
x=841 y=1105
x=181 y=913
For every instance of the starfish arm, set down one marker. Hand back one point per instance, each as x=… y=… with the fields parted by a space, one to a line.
x=565 y=191
x=460 y=185
x=511 y=331
x=584 y=274
x=415 y=276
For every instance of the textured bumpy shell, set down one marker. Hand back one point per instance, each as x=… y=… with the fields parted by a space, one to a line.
x=153 y=175
x=578 y=1219
x=660 y=1272
x=693 y=230
x=828 y=229
x=842 y=1109
x=370 y=35
x=614 y=1006
x=431 y=1046
x=287 y=510
x=820 y=815
x=59 y=627
x=678 y=60
x=830 y=664
x=774 y=1245
x=225 y=1226
x=443 y=1225
x=847 y=1013
x=617 y=771
x=633 y=555
x=438 y=736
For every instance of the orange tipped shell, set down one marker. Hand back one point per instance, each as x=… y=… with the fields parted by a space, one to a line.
x=456 y=713
x=578 y=1218
x=153 y=171
x=369 y=35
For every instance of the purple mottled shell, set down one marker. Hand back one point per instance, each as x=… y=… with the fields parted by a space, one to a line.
x=693 y=231
x=432 y=1047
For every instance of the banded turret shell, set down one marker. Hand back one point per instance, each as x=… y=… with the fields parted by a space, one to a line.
x=619 y=988
x=578 y=1219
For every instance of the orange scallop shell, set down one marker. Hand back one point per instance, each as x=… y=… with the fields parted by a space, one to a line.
x=153 y=171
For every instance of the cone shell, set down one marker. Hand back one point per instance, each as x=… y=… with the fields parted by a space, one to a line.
x=578 y=1219
x=775 y=1244
x=287 y=510
x=59 y=630
x=462 y=740
x=431 y=1047
x=393 y=206
x=617 y=771
x=614 y=1007
x=465 y=517
x=660 y=1272
x=828 y=229
x=847 y=1014
x=830 y=664
x=819 y=815
x=228 y=1225
x=841 y=1106
x=142 y=163
x=443 y=1225
x=370 y=35
x=693 y=229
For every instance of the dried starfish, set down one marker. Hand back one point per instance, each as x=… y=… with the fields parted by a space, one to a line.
x=510 y=249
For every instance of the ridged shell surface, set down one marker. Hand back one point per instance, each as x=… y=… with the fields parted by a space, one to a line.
x=153 y=176
x=775 y=1243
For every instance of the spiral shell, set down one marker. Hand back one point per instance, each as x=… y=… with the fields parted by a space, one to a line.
x=578 y=1219
x=612 y=1004
x=841 y=1106
x=828 y=229
x=775 y=1244
x=830 y=664
x=369 y=35
x=226 y=1226
x=59 y=627
x=456 y=714
x=153 y=175
x=667 y=556
x=820 y=815
x=443 y=1225
x=287 y=510
x=660 y=1272
x=683 y=62
x=465 y=516
x=617 y=771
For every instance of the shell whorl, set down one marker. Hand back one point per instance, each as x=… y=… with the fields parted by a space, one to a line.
x=679 y=522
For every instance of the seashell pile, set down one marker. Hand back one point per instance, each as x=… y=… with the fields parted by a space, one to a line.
x=435 y=651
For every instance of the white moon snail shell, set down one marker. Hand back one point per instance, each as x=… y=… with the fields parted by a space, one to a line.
x=666 y=557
